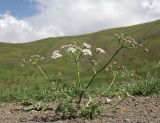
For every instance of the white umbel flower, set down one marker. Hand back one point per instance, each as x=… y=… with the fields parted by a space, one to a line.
x=87 y=45
x=100 y=50
x=64 y=46
x=56 y=54
x=71 y=49
x=87 y=52
x=22 y=65
x=146 y=50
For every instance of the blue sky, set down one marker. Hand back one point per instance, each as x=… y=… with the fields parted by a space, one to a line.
x=18 y=8
x=30 y=20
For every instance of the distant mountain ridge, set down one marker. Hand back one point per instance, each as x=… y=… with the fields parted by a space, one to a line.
x=148 y=34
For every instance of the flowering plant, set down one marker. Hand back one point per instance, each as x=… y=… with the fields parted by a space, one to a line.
x=70 y=97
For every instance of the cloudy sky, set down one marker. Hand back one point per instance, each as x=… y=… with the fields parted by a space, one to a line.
x=29 y=20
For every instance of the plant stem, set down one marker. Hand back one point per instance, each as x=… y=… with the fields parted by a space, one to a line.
x=78 y=73
x=111 y=83
x=78 y=70
x=38 y=66
x=95 y=75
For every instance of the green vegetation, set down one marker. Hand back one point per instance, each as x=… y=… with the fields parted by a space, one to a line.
x=149 y=85
x=19 y=83
x=69 y=95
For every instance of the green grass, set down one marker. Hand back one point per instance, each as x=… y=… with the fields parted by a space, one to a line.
x=144 y=87
x=24 y=93
x=21 y=83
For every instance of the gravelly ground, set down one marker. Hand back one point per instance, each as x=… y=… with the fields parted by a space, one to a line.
x=131 y=110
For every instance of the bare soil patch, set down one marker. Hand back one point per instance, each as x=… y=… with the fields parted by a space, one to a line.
x=131 y=110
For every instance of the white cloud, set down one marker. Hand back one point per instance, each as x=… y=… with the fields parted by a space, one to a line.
x=71 y=17
x=13 y=30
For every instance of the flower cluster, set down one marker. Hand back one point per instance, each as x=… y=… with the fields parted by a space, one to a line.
x=87 y=45
x=87 y=52
x=126 y=41
x=56 y=54
x=73 y=49
x=100 y=50
x=33 y=59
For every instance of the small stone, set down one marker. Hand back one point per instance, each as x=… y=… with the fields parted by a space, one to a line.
x=8 y=112
x=108 y=101
x=127 y=120
x=119 y=97
x=34 y=111
x=23 y=119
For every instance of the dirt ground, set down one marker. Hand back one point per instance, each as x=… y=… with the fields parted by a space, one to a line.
x=131 y=110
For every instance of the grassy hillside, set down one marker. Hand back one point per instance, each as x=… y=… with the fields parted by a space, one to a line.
x=12 y=74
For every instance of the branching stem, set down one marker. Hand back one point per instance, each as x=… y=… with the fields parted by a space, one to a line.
x=39 y=67
x=99 y=71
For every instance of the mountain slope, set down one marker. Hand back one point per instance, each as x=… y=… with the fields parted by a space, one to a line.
x=11 y=54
